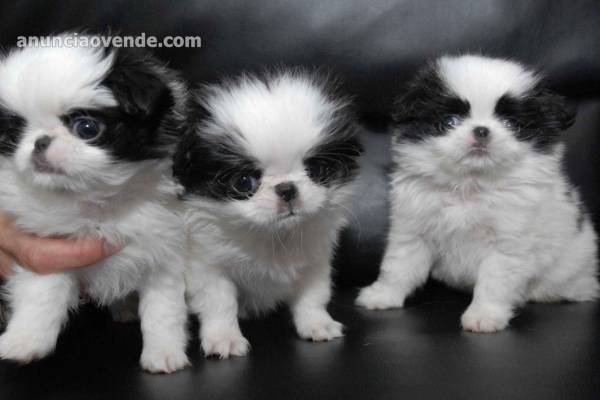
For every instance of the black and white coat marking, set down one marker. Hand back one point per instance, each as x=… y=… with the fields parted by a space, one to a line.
x=86 y=143
x=479 y=197
x=267 y=174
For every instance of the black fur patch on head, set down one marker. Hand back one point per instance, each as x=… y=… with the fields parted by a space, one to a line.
x=11 y=128
x=537 y=118
x=208 y=166
x=144 y=124
x=425 y=103
x=335 y=160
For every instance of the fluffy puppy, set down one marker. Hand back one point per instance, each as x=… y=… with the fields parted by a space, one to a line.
x=479 y=196
x=267 y=176
x=85 y=151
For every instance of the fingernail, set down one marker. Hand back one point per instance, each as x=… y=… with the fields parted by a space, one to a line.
x=112 y=247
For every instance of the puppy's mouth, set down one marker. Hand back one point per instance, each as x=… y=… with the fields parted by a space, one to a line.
x=479 y=150
x=41 y=165
x=290 y=212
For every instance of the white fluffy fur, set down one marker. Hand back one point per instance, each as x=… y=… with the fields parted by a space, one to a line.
x=128 y=204
x=246 y=258
x=501 y=225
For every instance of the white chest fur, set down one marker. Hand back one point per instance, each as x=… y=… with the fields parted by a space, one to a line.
x=144 y=221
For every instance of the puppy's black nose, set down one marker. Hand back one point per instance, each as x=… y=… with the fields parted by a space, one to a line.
x=481 y=132
x=286 y=190
x=42 y=143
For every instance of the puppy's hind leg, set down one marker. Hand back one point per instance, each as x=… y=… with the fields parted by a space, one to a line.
x=574 y=276
x=582 y=260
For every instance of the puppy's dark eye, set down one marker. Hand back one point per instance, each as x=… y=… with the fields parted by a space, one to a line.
x=87 y=128
x=510 y=123
x=246 y=184
x=451 y=121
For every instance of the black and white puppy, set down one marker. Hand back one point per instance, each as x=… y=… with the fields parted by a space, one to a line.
x=86 y=143
x=267 y=174
x=479 y=196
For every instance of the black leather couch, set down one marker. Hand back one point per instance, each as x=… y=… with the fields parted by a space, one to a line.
x=550 y=351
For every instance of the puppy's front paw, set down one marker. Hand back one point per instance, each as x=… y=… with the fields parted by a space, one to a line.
x=483 y=319
x=24 y=347
x=319 y=328
x=159 y=360
x=225 y=344
x=379 y=297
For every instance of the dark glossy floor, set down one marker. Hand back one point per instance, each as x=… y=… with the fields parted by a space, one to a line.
x=549 y=352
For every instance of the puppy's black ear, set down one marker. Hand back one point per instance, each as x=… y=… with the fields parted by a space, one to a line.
x=424 y=88
x=189 y=162
x=557 y=114
x=135 y=83
x=182 y=158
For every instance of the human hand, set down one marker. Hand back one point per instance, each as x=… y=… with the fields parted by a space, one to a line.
x=46 y=255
